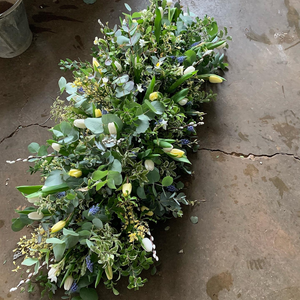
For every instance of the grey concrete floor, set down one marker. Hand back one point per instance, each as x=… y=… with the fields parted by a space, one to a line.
x=246 y=244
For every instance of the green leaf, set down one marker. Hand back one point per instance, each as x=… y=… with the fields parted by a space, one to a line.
x=87 y=226
x=180 y=81
x=157 y=25
x=29 y=261
x=69 y=232
x=127 y=7
x=141 y=192
x=135 y=38
x=95 y=125
x=71 y=241
x=28 y=189
x=153 y=176
x=20 y=223
x=194 y=219
x=180 y=95
x=110 y=118
x=58 y=250
x=190 y=58
x=150 y=88
x=182 y=159
x=116 y=166
x=122 y=40
x=136 y=15
x=33 y=147
x=99 y=275
x=143 y=124
x=168 y=180
x=98 y=223
x=42 y=150
x=54 y=241
x=100 y=185
x=116 y=176
x=116 y=293
x=88 y=294
x=149 y=105
x=62 y=84
x=98 y=175
x=159 y=107
x=212 y=29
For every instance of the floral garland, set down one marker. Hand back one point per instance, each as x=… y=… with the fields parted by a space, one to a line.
x=119 y=150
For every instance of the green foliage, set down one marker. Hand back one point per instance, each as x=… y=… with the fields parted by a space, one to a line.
x=122 y=144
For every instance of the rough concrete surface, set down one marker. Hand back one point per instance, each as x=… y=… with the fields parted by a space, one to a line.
x=246 y=243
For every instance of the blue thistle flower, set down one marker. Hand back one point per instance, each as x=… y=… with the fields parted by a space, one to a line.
x=172 y=57
x=60 y=195
x=171 y=188
x=81 y=90
x=89 y=264
x=190 y=128
x=189 y=103
x=94 y=210
x=195 y=44
x=181 y=59
x=185 y=142
x=73 y=288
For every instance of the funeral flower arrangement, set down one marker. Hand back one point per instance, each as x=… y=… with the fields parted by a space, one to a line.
x=113 y=166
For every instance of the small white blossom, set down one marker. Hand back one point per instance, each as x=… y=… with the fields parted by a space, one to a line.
x=142 y=43
x=164 y=124
x=105 y=80
x=96 y=41
x=53 y=273
x=100 y=23
x=139 y=87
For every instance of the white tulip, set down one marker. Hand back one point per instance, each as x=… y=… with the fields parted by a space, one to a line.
x=112 y=128
x=79 y=123
x=56 y=146
x=147 y=244
x=183 y=101
x=149 y=164
x=35 y=216
x=168 y=149
x=188 y=70
x=52 y=274
x=161 y=11
x=169 y=2
x=68 y=283
x=118 y=66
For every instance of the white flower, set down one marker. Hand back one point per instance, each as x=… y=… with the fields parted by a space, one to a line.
x=179 y=71
x=147 y=244
x=79 y=123
x=188 y=70
x=53 y=273
x=35 y=216
x=139 y=87
x=161 y=11
x=33 y=200
x=105 y=80
x=68 y=283
x=168 y=149
x=149 y=164
x=142 y=43
x=56 y=146
x=183 y=101
x=112 y=128
x=164 y=124
x=96 y=41
x=169 y=2
x=118 y=66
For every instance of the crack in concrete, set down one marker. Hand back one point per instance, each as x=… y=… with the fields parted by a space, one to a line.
x=21 y=127
x=251 y=155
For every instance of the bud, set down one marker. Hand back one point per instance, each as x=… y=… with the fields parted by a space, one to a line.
x=112 y=128
x=177 y=153
x=161 y=11
x=58 y=226
x=35 y=216
x=149 y=164
x=79 y=123
x=75 y=173
x=109 y=272
x=183 y=101
x=169 y=2
x=167 y=150
x=153 y=96
x=118 y=66
x=95 y=63
x=215 y=79
x=56 y=146
x=68 y=283
x=188 y=70
x=126 y=189
x=33 y=199
x=222 y=46
x=147 y=244
x=98 y=113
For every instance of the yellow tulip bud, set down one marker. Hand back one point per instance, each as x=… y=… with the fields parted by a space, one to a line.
x=95 y=63
x=98 y=113
x=109 y=272
x=177 y=153
x=153 y=96
x=58 y=226
x=75 y=173
x=215 y=79
x=126 y=189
